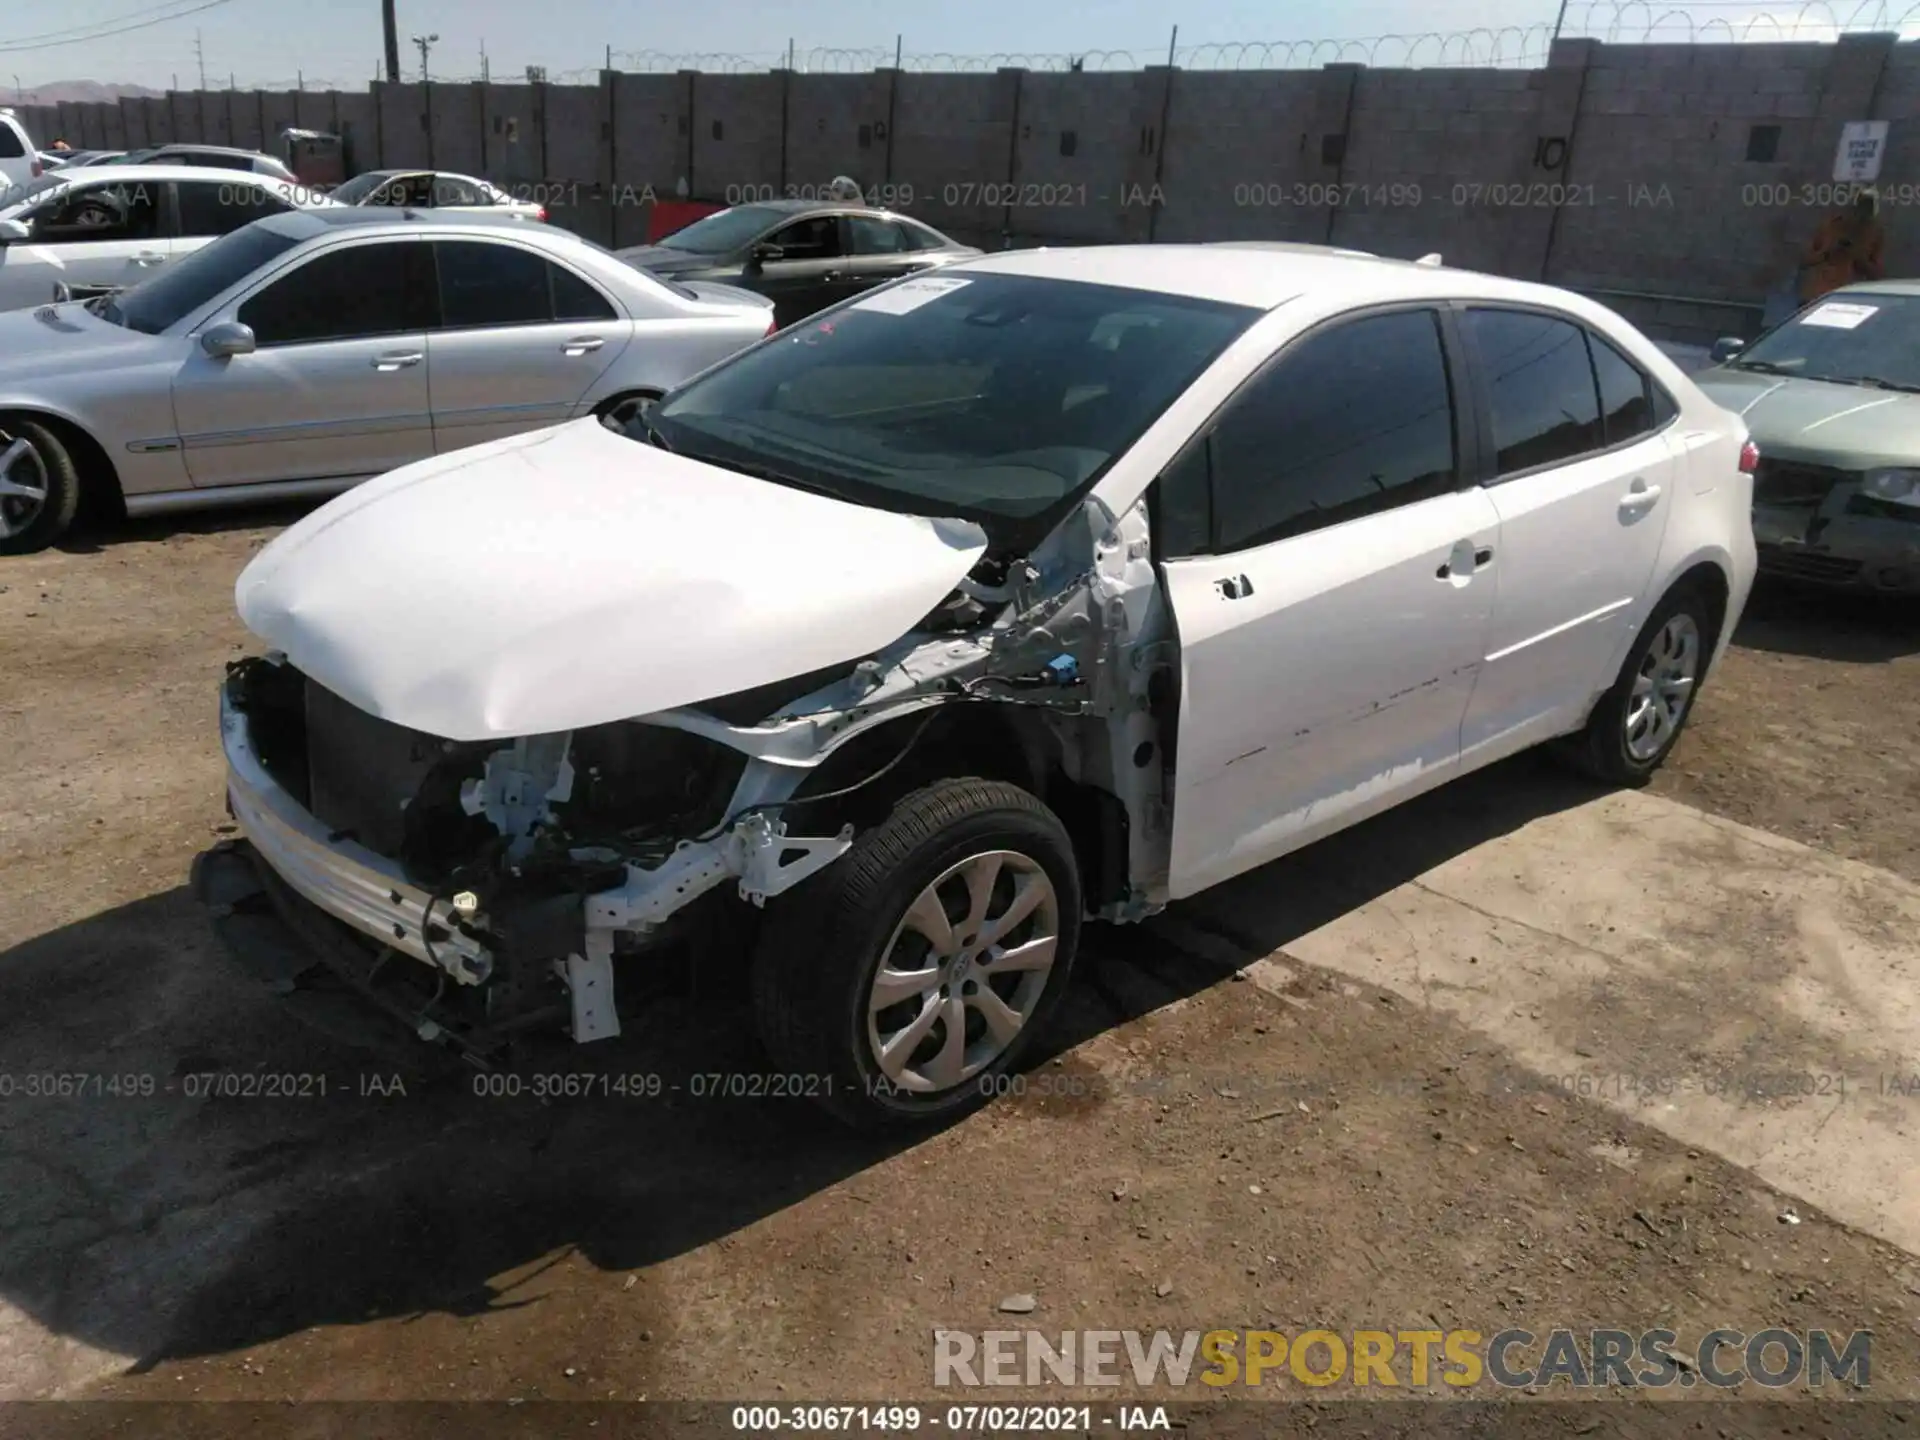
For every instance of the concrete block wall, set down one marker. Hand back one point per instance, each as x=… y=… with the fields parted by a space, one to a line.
x=1694 y=171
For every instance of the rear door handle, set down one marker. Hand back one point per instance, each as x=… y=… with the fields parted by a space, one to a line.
x=1234 y=587
x=148 y=257
x=390 y=363
x=1640 y=495
x=583 y=344
x=832 y=275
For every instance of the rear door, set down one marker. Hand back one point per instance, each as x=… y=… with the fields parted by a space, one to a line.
x=338 y=386
x=877 y=251
x=92 y=238
x=1328 y=564
x=522 y=339
x=1583 y=482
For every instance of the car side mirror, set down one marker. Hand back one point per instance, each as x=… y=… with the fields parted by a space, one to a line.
x=763 y=253
x=13 y=231
x=1726 y=347
x=227 y=339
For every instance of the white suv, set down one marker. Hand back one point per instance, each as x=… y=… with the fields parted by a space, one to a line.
x=19 y=157
x=74 y=234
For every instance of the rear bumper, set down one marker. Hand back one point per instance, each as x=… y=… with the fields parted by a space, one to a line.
x=345 y=880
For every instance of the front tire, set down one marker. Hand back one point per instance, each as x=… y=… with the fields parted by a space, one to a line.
x=903 y=981
x=1636 y=724
x=39 y=487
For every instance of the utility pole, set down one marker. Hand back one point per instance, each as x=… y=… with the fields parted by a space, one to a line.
x=486 y=74
x=1558 y=21
x=391 y=24
x=200 y=54
x=426 y=43
x=19 y=90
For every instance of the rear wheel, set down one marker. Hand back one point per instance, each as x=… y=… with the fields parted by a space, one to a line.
x=39 y=486
x=907 y=978
x=1636 y=724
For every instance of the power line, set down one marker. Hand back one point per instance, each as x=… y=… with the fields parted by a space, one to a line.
x=120 y=30
x=92 y=24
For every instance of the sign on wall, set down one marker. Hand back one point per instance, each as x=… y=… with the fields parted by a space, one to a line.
x=1863 y=144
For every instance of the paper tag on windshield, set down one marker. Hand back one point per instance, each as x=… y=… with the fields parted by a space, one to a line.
x=1837 y=315
x=910 y=295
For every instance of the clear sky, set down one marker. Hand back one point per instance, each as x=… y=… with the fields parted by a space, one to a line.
x=267 y=43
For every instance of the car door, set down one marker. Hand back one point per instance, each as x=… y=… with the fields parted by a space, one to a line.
x=1583 y=484
x=337 y=386
x=1329 y=566
x=200 y=211
x=877 y=251
x=811 y=264
x=92 y=237
x=522 y=339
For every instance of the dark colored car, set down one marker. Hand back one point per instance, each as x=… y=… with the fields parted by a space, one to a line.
x=801 y=255
x=217 y=157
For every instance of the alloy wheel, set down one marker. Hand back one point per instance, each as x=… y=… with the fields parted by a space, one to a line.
x=963 y=972
x=23 y=485
x=1663 y=688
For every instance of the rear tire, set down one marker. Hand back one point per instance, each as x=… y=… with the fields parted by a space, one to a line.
x=1636 y=724
x=39 y=486
x=905 y=980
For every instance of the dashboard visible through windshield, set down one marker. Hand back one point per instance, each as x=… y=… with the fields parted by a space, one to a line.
x=993 y=398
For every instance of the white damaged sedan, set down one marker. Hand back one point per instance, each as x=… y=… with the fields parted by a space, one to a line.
x=1051 y=589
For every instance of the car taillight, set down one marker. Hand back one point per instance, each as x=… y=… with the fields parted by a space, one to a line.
x=1749 y=458
x=772 y=326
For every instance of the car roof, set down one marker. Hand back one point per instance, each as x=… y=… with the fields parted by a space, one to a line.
x=793 y=208
x=306 y=224
x=1261 y=274
x=1878 y=287
x=197 y=148
x=154 y=174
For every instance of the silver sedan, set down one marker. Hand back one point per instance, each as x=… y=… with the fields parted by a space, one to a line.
x=310 y=351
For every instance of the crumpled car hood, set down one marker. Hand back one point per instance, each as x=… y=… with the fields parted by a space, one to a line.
x=574 y=577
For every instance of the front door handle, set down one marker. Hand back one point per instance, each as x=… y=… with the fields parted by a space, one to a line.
x=1234 y=587
x=148 y=257
x=583 y=344
x=386 y=364
x=1456 y=565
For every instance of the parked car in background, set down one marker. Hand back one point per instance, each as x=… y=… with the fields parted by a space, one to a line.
x=19 y=156
x=1056 y=586
x=101 y=229
x=84 y=159
x=214 y=157
x=1833 y=400
x=306 y=352
x=802 y=256
x=434 y=190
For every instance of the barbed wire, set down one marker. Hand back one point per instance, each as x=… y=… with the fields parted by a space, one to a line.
x=1614 y=22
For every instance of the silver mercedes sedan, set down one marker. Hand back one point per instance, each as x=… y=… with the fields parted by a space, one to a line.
x=304 y=353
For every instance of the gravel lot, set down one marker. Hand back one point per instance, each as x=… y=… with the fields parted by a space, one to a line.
x=433 y=1244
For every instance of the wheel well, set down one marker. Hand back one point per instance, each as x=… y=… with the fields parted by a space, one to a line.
x=1710 y=582
x=100 y=495
x=985 y=740
x=642 y=392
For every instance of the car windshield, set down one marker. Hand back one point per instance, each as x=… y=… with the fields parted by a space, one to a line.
x=183 y=287
x=358 y=188
x=1852 y=336
x=726 y=231
x=993 y=398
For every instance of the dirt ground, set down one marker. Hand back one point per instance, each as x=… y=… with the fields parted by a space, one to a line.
x=1198 y=1154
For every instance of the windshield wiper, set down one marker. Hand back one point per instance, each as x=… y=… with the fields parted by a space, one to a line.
x=1876 y=382
x=1762 y=367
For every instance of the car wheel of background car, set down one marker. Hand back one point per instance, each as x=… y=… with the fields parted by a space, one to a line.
x=619 y=412
x=912 y=974
x=1638 y=721
x=39 y=487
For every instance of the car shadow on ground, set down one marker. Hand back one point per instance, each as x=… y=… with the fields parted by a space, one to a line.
x=174 y=1224
x=97 y=534
x=1847 y=626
